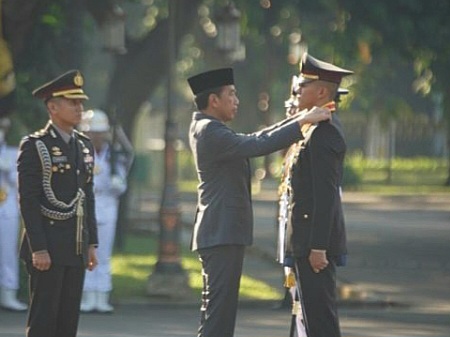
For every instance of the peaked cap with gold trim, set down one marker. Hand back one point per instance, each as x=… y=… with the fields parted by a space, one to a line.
x=312 y=69
x=68 y=85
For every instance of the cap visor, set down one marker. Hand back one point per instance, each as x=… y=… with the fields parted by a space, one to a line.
x=303 y=80
x=76 y=96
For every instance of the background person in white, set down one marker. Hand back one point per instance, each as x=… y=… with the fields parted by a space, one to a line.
x=9 y=223
x=109 y=184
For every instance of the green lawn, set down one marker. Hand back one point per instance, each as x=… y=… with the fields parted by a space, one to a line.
x=400 y=176
x=132 y=267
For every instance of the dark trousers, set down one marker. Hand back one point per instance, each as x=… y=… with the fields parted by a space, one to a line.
x=221 y=271
x=319 y=298
x=55 y=297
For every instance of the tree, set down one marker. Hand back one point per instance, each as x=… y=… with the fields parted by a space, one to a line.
x=363 y=36
x=418 y=32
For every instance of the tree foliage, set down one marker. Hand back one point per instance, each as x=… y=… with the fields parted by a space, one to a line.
x=394 y=46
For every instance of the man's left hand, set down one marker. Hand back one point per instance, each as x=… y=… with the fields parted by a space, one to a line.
x=318 y=260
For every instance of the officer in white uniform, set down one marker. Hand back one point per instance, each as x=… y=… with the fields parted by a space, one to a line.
x=9 y=224
x=109 y=183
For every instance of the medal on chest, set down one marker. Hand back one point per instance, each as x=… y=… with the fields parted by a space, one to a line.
x=59 y=161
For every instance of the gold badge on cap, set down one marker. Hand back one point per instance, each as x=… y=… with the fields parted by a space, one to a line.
x=78 y=80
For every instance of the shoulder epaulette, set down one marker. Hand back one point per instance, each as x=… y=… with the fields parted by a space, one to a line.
x=82 y=135
x=39 y=134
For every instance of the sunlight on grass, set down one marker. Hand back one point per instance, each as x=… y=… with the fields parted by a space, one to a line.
x=401 y=175
x=130 y=273
x=250 y=288
x=254 y=289
x=392 y=190
x=132 y=267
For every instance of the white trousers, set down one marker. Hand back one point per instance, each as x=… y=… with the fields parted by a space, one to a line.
x=9 y=252
x=100 y=278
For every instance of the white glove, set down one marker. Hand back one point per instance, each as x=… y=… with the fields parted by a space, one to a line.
x=118 y=185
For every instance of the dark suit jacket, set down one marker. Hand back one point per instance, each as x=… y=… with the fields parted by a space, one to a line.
x=317 y=218
x=72 y=169
x=224 y=211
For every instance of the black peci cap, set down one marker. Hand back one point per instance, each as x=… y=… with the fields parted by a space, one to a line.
x=312 y=69
x=69 y=85
x=211 y=79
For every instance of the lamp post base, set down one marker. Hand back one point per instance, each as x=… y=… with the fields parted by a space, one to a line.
x=168 y=280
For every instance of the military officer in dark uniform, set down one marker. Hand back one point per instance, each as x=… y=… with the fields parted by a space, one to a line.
x=55 y=169
x=316 y=238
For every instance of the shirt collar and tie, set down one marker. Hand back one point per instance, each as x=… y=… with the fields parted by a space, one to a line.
x=67 y=138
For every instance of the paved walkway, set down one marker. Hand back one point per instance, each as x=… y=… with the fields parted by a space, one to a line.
x=396 y=283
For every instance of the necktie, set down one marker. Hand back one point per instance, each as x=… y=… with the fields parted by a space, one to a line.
x=72 y=143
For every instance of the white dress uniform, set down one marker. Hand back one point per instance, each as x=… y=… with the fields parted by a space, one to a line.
x=109 y=185
x=9 y=229
x=107 y=190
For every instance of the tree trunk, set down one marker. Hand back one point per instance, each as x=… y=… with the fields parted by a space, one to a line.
x=17 y=20
x=143 y=67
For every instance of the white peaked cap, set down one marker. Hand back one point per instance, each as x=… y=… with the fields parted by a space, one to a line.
x=94 y=120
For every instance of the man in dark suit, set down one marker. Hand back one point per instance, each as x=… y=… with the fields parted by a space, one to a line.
x=55 y=169
x=224 y=218
x=316 y=238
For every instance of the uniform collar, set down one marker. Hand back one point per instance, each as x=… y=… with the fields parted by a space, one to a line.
x=198 y=115
x=64 y=135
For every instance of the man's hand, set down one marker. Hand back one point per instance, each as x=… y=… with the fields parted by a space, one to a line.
x=41 y=260
x=118 y=185
x=92 y=258
x=318 y=260
x=314 y=115
x=291 y=107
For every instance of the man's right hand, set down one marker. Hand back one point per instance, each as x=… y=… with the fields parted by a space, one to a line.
x=41 y=260
x=93 y=262
x=314 y=115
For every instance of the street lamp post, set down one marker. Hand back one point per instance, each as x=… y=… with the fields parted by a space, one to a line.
x=168 y=278
x=228 y=39
x=112 y=31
